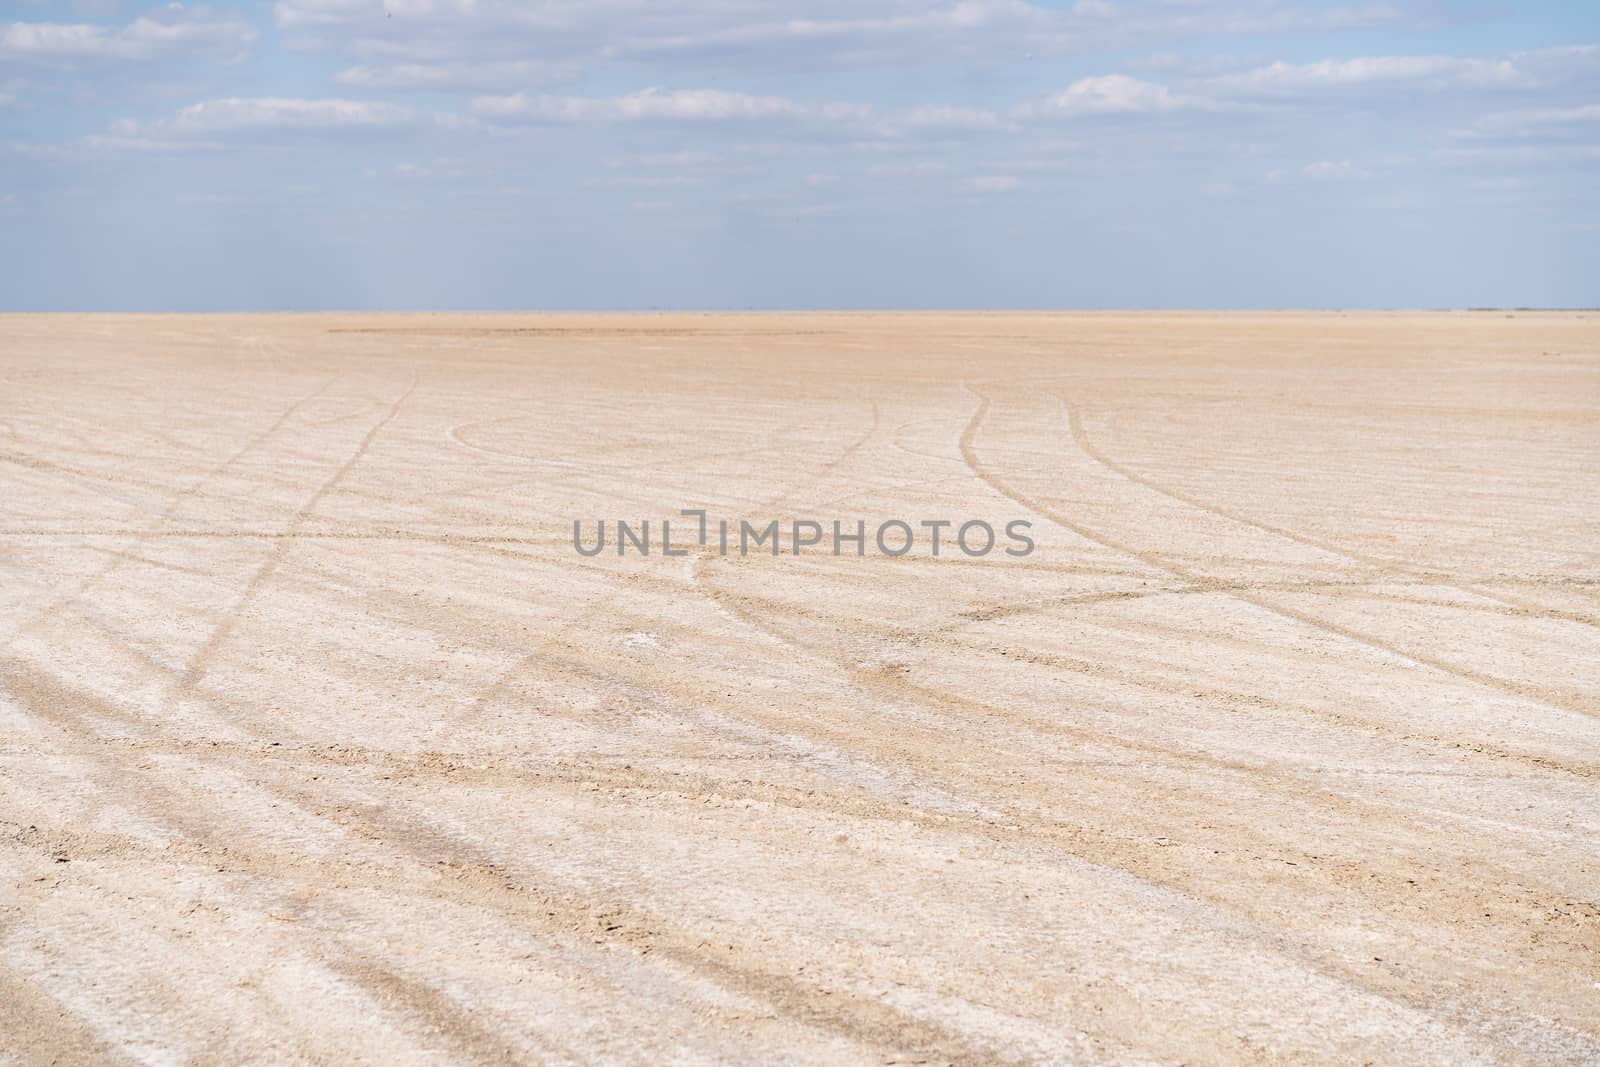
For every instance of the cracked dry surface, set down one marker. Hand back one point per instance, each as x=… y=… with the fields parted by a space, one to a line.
x=320 y=744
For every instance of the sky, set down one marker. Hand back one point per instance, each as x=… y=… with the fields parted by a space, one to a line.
x=600 y=154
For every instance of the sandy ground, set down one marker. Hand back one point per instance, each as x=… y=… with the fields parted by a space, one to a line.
x=319 y=743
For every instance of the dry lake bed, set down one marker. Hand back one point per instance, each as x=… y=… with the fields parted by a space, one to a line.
x=320 y=741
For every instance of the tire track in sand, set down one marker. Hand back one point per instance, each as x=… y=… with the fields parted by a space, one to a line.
x=124 y=555
x=219 y=635
x=1441 y=578
x=1575 y=703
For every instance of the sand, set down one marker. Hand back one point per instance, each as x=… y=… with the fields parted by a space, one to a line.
x=319 y=743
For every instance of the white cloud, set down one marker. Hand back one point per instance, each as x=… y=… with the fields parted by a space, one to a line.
x=651 y=181
x=1523 y=154
x=442 y=168
x=1112 y=94
x=1521 y=70
x=266 y=113
x=135 y=143
x=863 y=32
x=714 y=106
x=683 y=105
x=1330 y=169
x=1559 y=115
x=97 y=146
x=993 y=183
x=667 y=159
x=171 y=32
x=1262 y=16
x=948 y=118
x=456 y=75
x=1286 y=78
x=1321 y=170
x=861 y=27
x=1533 y=120
x=756 y=36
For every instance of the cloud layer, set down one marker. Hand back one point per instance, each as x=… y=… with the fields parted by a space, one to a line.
x=872 y=124
x=170 y=33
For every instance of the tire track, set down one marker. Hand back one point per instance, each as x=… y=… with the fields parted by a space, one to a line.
x=1385 y=564
x=219 y=635
x=480 y=880
x=122 y=556
x=1575 y=703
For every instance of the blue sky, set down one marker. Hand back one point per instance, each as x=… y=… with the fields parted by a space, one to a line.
x=313 y=154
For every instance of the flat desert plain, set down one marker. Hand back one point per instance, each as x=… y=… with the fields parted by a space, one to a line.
x=320 y=743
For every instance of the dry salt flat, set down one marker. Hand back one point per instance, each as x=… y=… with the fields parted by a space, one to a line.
x=319 y=743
